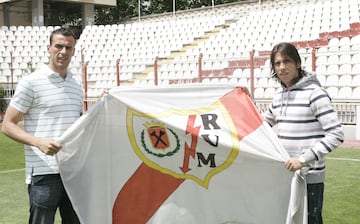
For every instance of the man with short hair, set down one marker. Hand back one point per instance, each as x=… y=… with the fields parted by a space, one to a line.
x=49 y=101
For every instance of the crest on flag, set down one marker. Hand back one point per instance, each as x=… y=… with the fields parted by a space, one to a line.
x=159 y=139
x=158 y=135
x=190 y=144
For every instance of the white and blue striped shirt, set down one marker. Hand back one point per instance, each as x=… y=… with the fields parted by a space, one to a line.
x=50 y=105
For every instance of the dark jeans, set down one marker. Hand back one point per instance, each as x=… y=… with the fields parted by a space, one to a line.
x=315 y=200
x=46 y=194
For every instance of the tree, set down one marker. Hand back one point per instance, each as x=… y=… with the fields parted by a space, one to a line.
x=123 y=10
x=160 y=6
x=126 y=9
x=201 y=3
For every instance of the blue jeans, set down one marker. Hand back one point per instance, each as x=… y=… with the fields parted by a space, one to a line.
x=315 y=200
x=46 y=194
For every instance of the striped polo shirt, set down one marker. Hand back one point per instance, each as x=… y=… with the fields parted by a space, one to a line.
x=50 y=105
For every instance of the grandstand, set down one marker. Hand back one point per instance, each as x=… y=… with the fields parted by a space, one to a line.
x=226 y=44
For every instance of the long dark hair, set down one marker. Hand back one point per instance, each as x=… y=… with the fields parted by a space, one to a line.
x=285 y=49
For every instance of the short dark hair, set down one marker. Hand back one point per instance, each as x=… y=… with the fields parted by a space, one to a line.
x=67 y=32
x=285 y=49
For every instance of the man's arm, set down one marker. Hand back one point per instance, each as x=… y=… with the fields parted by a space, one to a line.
x=11 y=129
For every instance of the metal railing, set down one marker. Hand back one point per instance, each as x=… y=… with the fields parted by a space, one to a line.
x=346 y=110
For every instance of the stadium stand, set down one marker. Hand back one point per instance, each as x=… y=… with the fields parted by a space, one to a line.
x=230 y=44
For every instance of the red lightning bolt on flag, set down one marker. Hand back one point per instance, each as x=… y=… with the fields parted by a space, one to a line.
x=190 y=150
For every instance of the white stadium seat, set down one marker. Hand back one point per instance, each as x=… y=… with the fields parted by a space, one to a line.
x=345 y=92
x=356 y=93
x=332 y=80
x=333 y=92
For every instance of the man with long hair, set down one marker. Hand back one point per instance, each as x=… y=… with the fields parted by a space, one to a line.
x=306 y=122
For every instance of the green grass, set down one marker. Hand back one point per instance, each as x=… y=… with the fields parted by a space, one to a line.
x=11 y=154
x=341 y=202
x=14 y=202
x=13 y=195
x=13 y=198
x=342 y=191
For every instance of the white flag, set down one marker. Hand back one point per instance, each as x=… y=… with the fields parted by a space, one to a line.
x=189 y=154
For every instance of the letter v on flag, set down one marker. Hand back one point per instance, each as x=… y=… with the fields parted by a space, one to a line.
x=185 y=154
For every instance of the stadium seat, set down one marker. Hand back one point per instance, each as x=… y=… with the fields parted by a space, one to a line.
x=237 y=72
x=262 y=82
x=345 y=58
x=356 y=82
x=265 y=72
x=333 y=59
x=246 y=72
x=233 y=80
x=215 y=80
x=5 y=28
x=333 y=45
x=224 y=80
x=206 y=80
x=257 y=72
x=356 y=93
x=164 y=82
x=355 y=69
x=333 y=92
x=355 y=43
x=321 y=60
x=345 y=92
x=344 y=44
x=18 y=72
x=269 y=92
x=332 y=80
x=6 y=72
x=14 y=79
x=345 y=69
x=5 y=65
x=322 y=50
x=259 y=93
x=332 y=69
x=345 y=80
x=243 y=82
x=3 y=79
x=355 y=59
x=23 y=65
x=321 y=78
